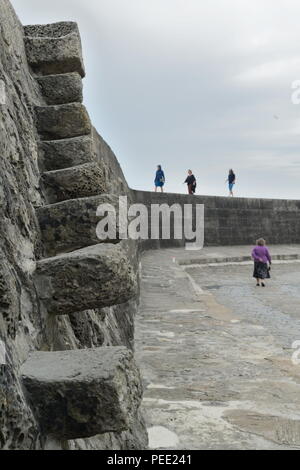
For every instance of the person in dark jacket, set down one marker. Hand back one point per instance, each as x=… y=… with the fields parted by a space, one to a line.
x=191 y=182
x=231 y=182
x=159 y=179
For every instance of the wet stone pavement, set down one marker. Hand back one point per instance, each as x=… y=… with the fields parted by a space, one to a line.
x=216 y=354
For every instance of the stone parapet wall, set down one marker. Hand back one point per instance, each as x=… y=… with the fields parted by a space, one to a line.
x=234 y=221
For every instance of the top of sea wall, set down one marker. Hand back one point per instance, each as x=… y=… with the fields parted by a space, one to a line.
x=219 y=202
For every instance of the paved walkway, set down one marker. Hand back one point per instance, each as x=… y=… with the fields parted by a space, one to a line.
x=216 y=352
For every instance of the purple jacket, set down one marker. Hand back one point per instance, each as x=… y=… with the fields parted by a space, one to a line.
x=261 y=253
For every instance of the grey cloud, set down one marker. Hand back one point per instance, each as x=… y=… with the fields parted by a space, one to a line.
x=192 y=84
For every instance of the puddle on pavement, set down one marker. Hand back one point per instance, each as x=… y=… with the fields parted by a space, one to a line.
x=212 y=287
x=166 y=334
x=159 y=387
x=162 y=438
x=186 y=311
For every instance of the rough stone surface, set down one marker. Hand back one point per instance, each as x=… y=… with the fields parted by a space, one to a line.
x=54 y=48
x=52 y=30
x=25 y=324
x=62 y=121
x=20 y=324
x=116 y=183
x=65 y=153
x=71 y=225
x=94 y=277
x=134 y=439
x=61 y=89
x=74 y=183
x=78 y=394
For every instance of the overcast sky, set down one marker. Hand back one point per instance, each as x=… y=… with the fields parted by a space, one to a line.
x=193 y=84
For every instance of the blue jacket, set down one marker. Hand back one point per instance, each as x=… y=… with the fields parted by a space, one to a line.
x=160 y=177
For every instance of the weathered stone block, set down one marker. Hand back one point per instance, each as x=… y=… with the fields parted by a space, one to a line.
x=54 y=48
x=94 y=277
x=61 y=89
x=62 y=121
x=74 y=183
x=79 y=394
x=71 y=225
x=65 y=153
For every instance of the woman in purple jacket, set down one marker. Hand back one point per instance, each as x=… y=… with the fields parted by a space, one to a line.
x=262 y=262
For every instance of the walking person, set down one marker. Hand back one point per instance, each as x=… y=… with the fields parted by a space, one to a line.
x=159 y=179
x=191 y=183
x=231 y=180
x=262 y=262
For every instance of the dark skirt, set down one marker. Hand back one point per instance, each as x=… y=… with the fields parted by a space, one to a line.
x=192 y=188
x=261 y=270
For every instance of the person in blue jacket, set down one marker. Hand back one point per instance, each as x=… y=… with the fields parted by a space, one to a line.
x=231 y=182
x=159 y=179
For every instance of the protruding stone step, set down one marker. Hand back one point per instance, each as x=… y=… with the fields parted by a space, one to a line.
x=54 y=48
x=71 y=225
x=61 y=89
x=62 y=121
x=94 y=277
x=65 y=153
x=82 y=393
x=74 y=183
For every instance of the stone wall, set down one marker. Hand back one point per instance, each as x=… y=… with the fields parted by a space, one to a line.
x=67 y=302
x=234 y=221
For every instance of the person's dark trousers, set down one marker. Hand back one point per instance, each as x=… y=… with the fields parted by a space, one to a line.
x=190 y=186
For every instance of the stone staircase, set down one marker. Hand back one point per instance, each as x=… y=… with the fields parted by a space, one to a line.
x=79 y=393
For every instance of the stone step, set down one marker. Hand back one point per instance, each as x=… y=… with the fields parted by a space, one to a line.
x=94 y=277
x=71 y=225
x=54 y=48
x=65 y=153
x=82 y=393
x=62 y=121
x=61 y=89
x=74 y=183
x=213 y=260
